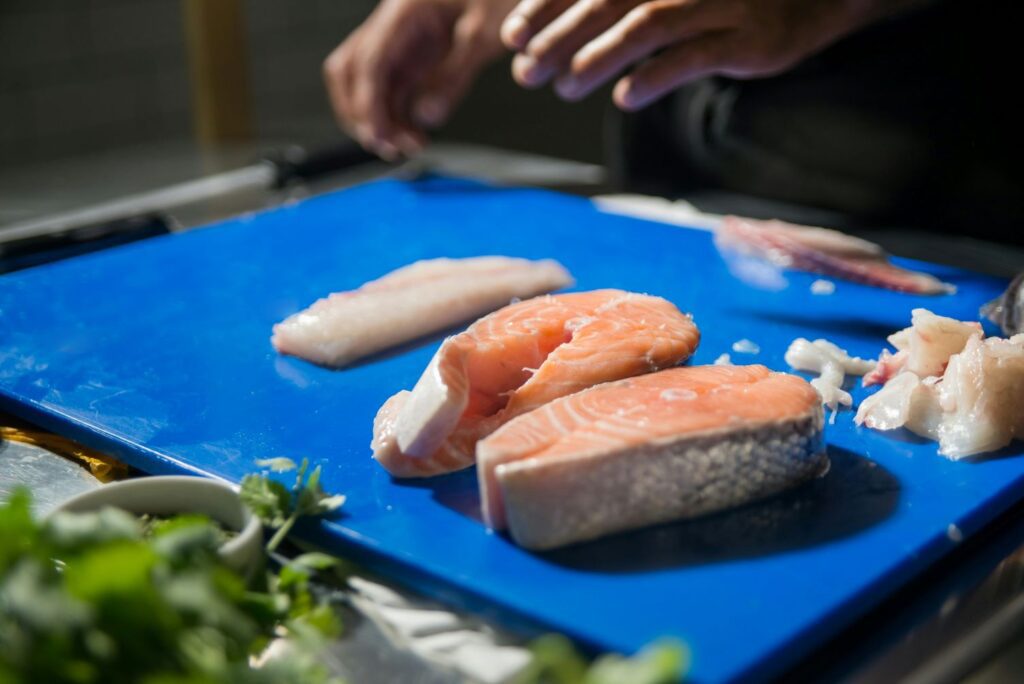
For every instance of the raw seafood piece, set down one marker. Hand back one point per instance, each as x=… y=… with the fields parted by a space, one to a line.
x=974 y=407
x=821 y=250
x=517 y=359
x=674 y=444
x=823 y=287
x=832 y=363
x=924 y=348
x=1007 y=310
x=413 y=301
x=745 y=346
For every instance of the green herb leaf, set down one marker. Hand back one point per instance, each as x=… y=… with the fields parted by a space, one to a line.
x=314 y=561
x=18 y=532
x=110 y=572
x=662 y=662
x=159 y=609
x=78 y=530
x=268 y=499
x=329 y=504
x=555 y=661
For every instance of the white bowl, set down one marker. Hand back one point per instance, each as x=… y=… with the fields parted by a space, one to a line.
x=172 y=494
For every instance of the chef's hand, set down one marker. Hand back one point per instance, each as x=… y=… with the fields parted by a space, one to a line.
x=407 y=66
x=582 y=44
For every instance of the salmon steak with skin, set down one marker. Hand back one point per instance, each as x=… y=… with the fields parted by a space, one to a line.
x=675 y=444
x=411 y=302
x=517 y=359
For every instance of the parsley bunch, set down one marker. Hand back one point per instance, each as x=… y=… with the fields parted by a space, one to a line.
x=90 y=598
x=556 y=661
x=109 y=598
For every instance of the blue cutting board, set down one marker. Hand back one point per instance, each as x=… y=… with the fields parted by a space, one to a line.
x=159 y=352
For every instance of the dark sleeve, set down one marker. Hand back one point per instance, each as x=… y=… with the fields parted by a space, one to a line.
x=905 y=123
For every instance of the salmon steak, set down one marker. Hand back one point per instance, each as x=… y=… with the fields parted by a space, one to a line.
x=665 y=446
x=411 y=302
x=517 y=359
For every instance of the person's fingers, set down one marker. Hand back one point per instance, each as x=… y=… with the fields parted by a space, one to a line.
x=527 y=19
x=692 y=59
x=407 y=136
x=390 y=76
x=646 y=29
x=337 y=75
x=371 y=98
x=345 y=76
x=550 y=51
x=448 y=84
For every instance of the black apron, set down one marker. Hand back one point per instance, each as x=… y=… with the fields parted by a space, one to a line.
x=906 y=123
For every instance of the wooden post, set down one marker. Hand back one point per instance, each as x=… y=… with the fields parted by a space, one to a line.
x=215 y=39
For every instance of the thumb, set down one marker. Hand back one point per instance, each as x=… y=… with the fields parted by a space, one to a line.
x=444 y=89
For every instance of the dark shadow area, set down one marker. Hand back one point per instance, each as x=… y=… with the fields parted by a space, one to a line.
x=457 y=491
x=854 y=495
x=425 y=181
x=851 y=325
x=1014 y=449
x=901 y=435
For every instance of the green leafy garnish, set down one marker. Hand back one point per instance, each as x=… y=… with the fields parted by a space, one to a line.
x=556 y=661
x=662 y=662
x=268 y=499
x=280 y=508
x=92 y=598
x=108 y=597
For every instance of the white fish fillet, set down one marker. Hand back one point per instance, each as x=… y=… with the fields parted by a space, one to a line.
x=832 y=363
x=972 y=408
x=924 y=348
x=413 y=301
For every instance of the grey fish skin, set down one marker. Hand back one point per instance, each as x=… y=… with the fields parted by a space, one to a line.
x=551 y=503
x=1007 y=310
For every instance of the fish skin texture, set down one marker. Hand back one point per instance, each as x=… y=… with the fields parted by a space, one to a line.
x=416 y=300
x=822 y=250
x=675 y=444
x=520 y=358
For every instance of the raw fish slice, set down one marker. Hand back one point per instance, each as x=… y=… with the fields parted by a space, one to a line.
x=889 y=366
x=820 y=250
x=413 y=301
x=517 y=359
x=924 y=348
x=973 y=408
x=832 y=364
x=674 y=444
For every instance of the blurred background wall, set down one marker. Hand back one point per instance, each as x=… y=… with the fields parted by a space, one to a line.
x=79 y=77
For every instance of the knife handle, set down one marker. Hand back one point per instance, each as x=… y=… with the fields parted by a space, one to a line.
x=296 y=163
